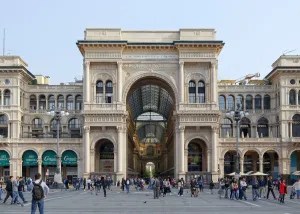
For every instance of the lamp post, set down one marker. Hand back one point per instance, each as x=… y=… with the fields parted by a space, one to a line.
x=57 y=115
x=237 y=115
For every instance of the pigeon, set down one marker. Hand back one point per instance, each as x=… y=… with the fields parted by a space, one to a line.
x=147 y=195
x=145 y=202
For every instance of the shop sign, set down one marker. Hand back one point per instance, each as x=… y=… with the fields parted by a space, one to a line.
x=4 y=158
x=49 y=158
x=107 y=156
x=69 y=158
x=30 y=158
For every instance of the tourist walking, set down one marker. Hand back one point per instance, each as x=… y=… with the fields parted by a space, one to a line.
x=21 y=188
x=200 y=183
x=296 y=187
x=89 y=183
x=98 y=183
x=39 y=192
x=180 y=185
x=243 y=189
x=156 y=189
x=255 y=187
x=221 y=188
x=262 y=188
x=270 y=187
x=282 y=191
x=9 y=189
x=211 y=186
x=123 y=183
x=84 y=183
x=127 y=185
x=234 y=190
x=227 y=185
x=15 y=188
x=104 y=184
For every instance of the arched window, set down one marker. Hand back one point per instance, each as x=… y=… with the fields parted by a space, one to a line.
x=263 y=127
x=99 y=92
x=3 y=126
x=42 y=102
x=150 y=151
x=292 y=97
x=74 y=123
x=74 y=128
x=70 y=102
x=78 y=102
x=231 y=103
x=109 y=92
x=296 y=125
x=60 y=102
x=32 y=102
x=245 y=127
x=240 y=102
x=249 y=102
x=6 y=97
x=37 y=123
x=192 y=92
x=257 y=102
x=201 y=92
x=194 y=157
x=51 y=102
x=226 y=128
x=267 y=102
x=222 y=102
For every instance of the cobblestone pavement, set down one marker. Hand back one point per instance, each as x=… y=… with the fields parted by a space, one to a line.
x=83 y=202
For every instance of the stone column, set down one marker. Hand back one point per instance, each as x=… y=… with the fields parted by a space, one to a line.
x=214 y=162
x=181 y=82
x=120 y=149
x=261 y=166
x=40 y=161
x=87 y=81
x=186 y=160
x=115 y=160
x=213 y=83
x=120 y=82
x=242 y=165
x=87 y=155
x=291 y=129
x=221 y=169
x=92 y=160
x=181 y=151
x=37 y=103
x=176 y=153
x=209 y=160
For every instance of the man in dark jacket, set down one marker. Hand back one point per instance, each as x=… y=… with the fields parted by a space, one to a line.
x=270 y=188
x=104 y=185
x=9 y=189
x=98 y=183
x=20 y=189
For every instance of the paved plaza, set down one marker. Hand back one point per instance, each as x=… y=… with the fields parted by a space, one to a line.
x=82 y=202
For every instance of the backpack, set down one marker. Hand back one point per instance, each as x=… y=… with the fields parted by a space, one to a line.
x=38 y=191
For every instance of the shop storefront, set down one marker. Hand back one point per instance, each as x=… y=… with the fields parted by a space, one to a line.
x=69 y=165
x=49 y=164
x=4 y=165
x=30 y=164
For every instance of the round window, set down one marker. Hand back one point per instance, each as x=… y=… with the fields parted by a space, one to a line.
x=7 y=81
x=292 y=81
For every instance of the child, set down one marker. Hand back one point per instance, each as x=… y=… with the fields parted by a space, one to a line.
x=282 y=191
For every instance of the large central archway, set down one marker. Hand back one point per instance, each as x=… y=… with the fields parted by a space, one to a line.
x=150 y=103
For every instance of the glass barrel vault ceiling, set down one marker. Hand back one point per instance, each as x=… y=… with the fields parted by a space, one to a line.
x=150 y=107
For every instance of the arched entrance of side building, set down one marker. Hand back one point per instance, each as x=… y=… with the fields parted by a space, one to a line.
x=196 y=160
x=69 y=165
x=271 y=163
x=29 y=163
x=104 y=159
x=294 y=165
x=49 y=161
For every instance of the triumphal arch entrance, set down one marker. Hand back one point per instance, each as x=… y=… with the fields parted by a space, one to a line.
x=150 y=96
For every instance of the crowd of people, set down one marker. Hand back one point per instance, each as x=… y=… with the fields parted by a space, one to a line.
x=237 y=189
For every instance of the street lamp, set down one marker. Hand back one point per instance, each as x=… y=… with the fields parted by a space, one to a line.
x=57 y=116
x=237 y=115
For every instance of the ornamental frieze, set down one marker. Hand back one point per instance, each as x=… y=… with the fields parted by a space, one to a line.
x=103 y=55
x=197 y=55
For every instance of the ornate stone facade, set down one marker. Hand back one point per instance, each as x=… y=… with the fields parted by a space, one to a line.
x=197 y=137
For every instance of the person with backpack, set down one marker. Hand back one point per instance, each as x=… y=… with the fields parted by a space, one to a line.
x=9 y=188
x=39 y=192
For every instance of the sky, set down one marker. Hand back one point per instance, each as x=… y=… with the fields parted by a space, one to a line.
x=44 y=32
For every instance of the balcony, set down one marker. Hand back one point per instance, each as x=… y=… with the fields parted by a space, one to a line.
x=244 y=88
x=51 y=140
x=42 y=135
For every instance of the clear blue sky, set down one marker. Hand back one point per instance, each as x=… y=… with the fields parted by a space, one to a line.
x=44 y=33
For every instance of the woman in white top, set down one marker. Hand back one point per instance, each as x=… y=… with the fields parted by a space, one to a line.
x=296 y=187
